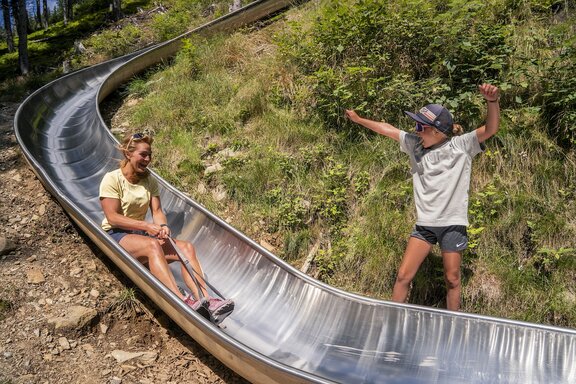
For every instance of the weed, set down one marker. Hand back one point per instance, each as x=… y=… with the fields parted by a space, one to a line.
x=126 y=304
x=5 y=307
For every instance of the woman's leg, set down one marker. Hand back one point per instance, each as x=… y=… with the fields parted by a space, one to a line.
x=416 y=251
x=187 y=250
x=452 y=261
x=149 y=252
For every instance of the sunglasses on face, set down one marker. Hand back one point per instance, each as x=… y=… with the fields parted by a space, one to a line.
x=420 y=127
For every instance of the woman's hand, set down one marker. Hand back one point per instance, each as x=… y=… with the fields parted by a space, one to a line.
x=490 y=92
x=154 y=230
x=164 y=231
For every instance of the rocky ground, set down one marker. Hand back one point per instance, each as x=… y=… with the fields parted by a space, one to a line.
x=67 y=314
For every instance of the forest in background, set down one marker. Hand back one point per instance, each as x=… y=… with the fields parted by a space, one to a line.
x=251 y=125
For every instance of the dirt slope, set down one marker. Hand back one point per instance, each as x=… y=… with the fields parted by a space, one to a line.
x=49 y=269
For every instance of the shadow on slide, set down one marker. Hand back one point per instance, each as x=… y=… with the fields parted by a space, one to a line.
x=287 y=327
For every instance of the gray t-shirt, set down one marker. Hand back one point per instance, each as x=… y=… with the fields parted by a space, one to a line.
x=441 y=177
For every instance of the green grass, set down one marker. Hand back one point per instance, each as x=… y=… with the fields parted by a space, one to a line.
x=266 y=104
x=298 y=175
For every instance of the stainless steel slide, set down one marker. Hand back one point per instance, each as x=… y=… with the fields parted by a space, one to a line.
x=287 y=327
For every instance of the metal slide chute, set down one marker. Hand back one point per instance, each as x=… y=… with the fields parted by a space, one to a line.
x=287 y=327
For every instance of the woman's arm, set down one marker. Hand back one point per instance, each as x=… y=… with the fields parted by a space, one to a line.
x=159 y=217
x=113 y=212
x=491 y=95
x=376 y=126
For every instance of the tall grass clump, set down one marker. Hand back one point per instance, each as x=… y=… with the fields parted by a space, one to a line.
x=251 y=125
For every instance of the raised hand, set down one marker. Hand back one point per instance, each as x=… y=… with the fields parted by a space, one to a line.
x=490 y=92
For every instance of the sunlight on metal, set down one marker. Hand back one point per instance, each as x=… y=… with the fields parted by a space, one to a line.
x=287 y=327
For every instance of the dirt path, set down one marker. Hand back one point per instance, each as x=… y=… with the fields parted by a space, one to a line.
x=48 y=270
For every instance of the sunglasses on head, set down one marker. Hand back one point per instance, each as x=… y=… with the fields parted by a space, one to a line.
x=136 y=136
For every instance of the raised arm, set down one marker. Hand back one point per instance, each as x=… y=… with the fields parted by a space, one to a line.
x=376 y=126
x=491 y=94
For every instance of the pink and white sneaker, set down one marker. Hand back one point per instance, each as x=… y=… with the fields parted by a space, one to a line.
x=200 y=306
x=220 y=309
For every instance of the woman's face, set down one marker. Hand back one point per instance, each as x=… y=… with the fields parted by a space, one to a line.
x=140 y=157
x=430 y=136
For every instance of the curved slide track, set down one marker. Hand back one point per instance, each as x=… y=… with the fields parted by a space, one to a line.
x=287 y=327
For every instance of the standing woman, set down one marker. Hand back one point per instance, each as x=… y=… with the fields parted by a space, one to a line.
x=441 y=163
x=126 y=194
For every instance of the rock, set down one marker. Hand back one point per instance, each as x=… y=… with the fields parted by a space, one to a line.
x=6 y=246
x=213 y=169
x=79 y=48
x=201 y=188
x=144 y=357
x=77 y=318
x=219 y=193
x=94 y=293
x=64 y=343
x=17 y=178
x=236 y=5
x=35 y=276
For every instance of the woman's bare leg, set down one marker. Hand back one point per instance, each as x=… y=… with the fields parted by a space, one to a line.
x=452 y=262
x=149 y=252
x=416 y=251
x=187 y=250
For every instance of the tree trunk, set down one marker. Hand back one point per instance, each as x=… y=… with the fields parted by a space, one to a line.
x=8 y=25
x=38 y=14
x=69 y=9
x=64 y=6
x=46 y=13
x=22 y=27
x=15 y=12
x=116 y=9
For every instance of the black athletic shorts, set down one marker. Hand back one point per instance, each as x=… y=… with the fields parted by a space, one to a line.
x=453 y=238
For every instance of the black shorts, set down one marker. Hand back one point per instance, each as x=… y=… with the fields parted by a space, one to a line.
x=453 y=238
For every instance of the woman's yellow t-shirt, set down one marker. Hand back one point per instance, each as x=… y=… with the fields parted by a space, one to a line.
x=134 y=198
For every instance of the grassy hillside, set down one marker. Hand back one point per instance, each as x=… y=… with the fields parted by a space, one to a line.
x=251 y=125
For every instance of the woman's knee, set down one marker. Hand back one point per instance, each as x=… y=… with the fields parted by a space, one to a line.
x=153 y=248
x=188 y=249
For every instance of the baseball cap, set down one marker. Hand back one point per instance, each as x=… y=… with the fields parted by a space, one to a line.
x=436 y=116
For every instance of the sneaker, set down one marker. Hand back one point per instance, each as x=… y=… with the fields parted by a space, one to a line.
x=200 y=306
x=220 y=309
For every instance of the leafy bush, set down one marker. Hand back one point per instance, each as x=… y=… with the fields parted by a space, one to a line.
x=559 y=108
x=382 y=58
